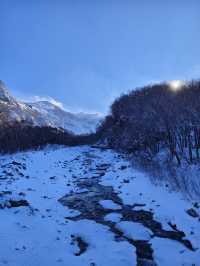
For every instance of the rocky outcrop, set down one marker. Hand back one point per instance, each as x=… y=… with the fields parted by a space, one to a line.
x=4 y=94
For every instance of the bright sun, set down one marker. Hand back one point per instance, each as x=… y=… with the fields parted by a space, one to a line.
x=176 y=85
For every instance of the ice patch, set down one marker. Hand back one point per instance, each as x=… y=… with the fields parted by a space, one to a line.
x=134 y=231
x=109 y=204
x=113 y=217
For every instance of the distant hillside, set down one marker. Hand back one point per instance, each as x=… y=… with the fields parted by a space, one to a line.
x=78 y=123
x=44 y=113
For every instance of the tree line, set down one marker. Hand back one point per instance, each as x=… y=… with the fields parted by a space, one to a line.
x=154 y=118
x=145 y=121
x=19 y=136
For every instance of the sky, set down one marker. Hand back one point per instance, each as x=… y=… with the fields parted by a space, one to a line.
x=86 y=53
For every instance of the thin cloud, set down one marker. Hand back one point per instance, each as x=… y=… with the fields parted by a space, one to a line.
x=48 y=99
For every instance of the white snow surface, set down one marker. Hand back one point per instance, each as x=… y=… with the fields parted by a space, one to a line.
x=109 y=204
x=40 y=234
x=53 y=115
x=134 y=231
x=113 y=217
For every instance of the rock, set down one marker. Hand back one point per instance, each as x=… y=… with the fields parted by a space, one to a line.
x=22 y=194
x=192 y=213
x=173 y=226
x=16 y=163
x=196 y=205
x=81 y=244
x=18 y=203
x=9 y=174
x=6 y=192
x=123 y=167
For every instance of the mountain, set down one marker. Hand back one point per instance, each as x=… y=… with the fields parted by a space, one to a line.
x=12 y=110
x=78 y=123
x=44 y=113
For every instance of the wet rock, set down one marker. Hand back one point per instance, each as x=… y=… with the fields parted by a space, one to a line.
x=173 y=226
x=3 y=177
x=144 y=250
x=192 y=213
x=5 y=192
x=18 y=203
x=9 y=174
x=126 y=181
x=123 y=167
x=145 y=262
x=16 y=163
x=138 y=205
x=87 y=203
x=22 y=194
x=196 y=205
x=82 y=245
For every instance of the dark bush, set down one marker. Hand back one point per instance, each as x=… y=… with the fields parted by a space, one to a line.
x=20 y=136
x=155 y=117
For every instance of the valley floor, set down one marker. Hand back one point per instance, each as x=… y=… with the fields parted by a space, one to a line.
x=85 y=207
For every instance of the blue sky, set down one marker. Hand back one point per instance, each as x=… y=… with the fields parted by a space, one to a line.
x=86 y=53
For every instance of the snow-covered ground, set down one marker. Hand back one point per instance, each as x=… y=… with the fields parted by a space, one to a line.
x=83 y=206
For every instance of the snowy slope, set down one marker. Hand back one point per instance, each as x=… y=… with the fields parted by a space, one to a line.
x=4 y=94
x=44 y=113
x=78 y=123
x=11 y=110
x=88 y=207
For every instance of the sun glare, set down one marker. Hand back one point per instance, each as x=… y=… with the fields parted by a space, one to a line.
x=176 y=85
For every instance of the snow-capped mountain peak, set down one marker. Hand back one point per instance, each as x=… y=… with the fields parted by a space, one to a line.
x=78 y=123
x=44 y=113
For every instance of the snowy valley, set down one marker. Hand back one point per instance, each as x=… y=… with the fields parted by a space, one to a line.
x=83 y=206
x=99 y=133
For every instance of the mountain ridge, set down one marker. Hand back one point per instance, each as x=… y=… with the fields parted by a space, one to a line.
x=44 y=113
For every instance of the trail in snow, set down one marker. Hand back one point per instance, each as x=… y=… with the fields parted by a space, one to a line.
x=88 y=207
